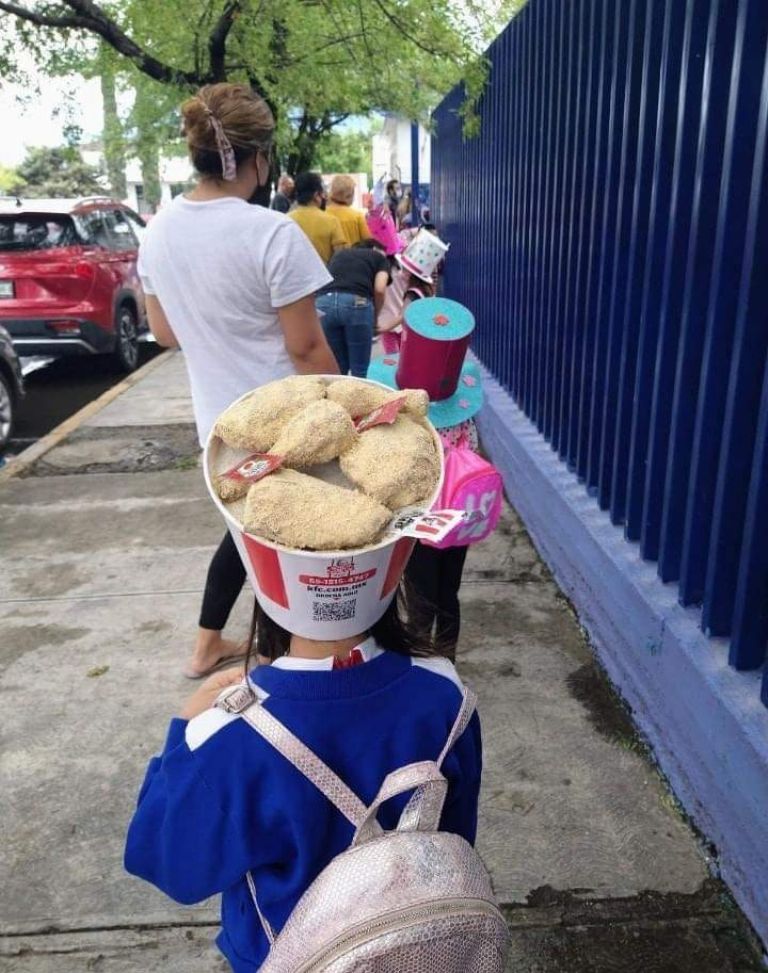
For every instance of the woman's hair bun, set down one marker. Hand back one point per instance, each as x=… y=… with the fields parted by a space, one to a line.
x=196 y=124
x=244 y=117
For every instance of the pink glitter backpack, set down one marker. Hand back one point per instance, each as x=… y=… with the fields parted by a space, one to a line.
x=472 y=484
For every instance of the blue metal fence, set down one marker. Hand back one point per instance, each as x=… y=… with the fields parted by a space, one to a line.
x=610 y=229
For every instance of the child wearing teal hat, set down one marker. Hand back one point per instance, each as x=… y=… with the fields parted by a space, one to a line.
x=432 y=356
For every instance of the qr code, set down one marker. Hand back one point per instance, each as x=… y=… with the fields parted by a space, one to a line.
x=333 y=611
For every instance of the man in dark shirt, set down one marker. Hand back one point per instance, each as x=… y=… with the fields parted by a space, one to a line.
x=283 y=198
x=349 y=305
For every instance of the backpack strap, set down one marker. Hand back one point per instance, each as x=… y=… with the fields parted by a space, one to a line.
x=425 y=807
x=243 y=701
x=466 y=711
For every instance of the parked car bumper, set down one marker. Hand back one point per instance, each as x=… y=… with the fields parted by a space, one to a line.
x=70 y=337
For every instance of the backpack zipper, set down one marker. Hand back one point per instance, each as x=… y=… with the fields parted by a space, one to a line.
x=394 y=920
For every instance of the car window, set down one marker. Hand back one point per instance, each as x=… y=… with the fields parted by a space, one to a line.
x=36 y=231
x=120 y=230
x=139 y=228
x=94 y=229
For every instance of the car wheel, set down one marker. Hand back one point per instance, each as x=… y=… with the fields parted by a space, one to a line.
x=126 y=353
x=7 y=411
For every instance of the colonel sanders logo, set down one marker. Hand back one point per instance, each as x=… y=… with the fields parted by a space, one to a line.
x=342 y=567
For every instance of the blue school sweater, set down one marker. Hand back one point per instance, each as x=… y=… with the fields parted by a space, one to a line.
x=220 y=801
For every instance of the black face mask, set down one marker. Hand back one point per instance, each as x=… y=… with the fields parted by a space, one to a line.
x=324 y=202
x=261 y=195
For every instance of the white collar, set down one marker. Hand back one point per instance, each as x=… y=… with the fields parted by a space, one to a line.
x=368 y=649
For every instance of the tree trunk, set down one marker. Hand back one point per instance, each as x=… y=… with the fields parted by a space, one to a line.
x=147 y=147
x=112 y=134
x=311 y=131
x=148 y=152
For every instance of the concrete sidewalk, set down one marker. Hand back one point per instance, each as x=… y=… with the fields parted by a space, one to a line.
x=105 y=544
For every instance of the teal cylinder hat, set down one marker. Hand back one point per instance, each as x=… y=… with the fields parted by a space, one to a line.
x=433 y=357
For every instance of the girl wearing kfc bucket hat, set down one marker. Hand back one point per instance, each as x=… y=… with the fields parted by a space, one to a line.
x=225 y=809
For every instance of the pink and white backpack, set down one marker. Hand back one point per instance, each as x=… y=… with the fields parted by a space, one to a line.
x=474 y=485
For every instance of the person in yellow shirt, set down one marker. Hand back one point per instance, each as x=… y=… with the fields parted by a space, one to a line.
x=352 y=221
x=324 y=231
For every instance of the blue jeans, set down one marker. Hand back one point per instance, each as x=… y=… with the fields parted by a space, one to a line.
x=348 y=327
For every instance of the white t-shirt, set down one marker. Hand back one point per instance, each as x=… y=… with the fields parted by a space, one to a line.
x=220 y=270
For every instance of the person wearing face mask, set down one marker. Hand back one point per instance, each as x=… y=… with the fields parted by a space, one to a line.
x=323 y=230
x=233 y=286
x=394 y=196
x=283 y=198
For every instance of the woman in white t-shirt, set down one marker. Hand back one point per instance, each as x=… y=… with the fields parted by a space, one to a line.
x=233 y=286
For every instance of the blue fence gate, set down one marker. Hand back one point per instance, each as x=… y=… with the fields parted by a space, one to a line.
x=609 y=227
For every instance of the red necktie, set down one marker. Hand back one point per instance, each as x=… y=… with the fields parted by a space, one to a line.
x=354 y=658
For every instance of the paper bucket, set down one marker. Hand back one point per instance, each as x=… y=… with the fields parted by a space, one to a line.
x=321 y=595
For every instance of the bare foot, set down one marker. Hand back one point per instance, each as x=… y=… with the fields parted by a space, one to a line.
x=211 y=651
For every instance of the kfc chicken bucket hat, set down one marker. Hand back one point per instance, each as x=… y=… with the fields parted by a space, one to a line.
x=318 y=594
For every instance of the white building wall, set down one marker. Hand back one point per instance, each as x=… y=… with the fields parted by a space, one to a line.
x=175 y=171
x=392 y=151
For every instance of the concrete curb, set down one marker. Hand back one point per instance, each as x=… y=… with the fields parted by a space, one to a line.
x=33 y=453
x=704 y=720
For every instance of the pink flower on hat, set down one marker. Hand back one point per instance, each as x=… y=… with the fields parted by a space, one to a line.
x=441 y=319
x=470 y=381
x=463 y=403
x=389 y=361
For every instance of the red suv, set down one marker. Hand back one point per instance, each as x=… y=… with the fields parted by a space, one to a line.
x=68 y=279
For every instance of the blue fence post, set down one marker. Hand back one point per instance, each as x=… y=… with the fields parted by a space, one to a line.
x=698 y=29
x=699 y=268
x=415 y=207
x=750 y=617
x=594 y=246
x=661 y=230
x=637 y=258
x=745 y=380
x=740 y=146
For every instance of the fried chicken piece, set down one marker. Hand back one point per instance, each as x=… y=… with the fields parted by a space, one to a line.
x=301 y=511
x=231 y=490
x=224 y=459
x=317 y=434
x=360 y=398
x=255 y=422
x=397 y=465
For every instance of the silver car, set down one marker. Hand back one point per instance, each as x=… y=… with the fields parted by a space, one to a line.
x=11 y=387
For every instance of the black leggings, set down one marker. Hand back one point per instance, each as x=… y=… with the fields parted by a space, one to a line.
x=226 y=576
x=434 y=576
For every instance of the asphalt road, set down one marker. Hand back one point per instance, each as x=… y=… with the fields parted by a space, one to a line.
x=59 y=388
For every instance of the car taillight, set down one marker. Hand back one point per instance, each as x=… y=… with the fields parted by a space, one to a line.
x=64 y=327
x=84 y=269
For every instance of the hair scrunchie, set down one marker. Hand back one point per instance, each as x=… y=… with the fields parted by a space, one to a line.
x=226 y=152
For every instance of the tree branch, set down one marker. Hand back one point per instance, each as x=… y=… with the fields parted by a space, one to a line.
x=90 y=16
x=109 y=30
x=42 y=20
x=435 y=52
x=217 y=43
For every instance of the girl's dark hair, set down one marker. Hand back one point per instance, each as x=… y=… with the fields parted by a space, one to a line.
x=416 y=282
x=370 y=244
x=392 y=631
